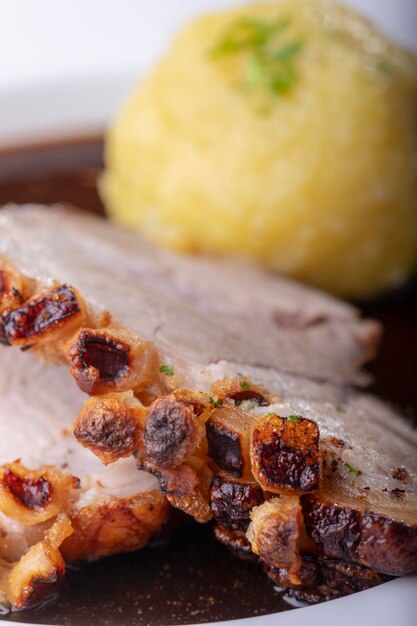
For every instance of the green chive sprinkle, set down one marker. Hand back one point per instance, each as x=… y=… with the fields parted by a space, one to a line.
x=293 y=418
x=168 y=370
x=214 y=401
x=268 y=61
x=352 y=469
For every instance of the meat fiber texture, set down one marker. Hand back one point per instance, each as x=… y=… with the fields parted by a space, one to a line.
x=197 y=311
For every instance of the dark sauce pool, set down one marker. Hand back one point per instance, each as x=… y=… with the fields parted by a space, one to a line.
x=187 y=579
x=184 y=577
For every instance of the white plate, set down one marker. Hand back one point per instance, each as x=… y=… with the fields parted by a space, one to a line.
x=61 y=75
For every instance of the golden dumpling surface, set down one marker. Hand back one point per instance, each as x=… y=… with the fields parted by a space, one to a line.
x=283 y=132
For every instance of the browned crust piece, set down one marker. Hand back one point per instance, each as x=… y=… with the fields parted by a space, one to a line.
x=115 y=525
x=285 y=454
x=186 y=487
x=111 y=426
x=59 y=310
x=39 y=572
x=110 y=359
x=372 y=539
x=274 y=534
x=232 y=500
x=174 y=427
x=175 y=424
x=34 y=496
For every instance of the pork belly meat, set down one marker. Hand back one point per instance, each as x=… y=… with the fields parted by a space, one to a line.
x=193 y=313
x=58 y=503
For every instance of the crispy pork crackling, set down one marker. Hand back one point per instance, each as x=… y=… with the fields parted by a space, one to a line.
x=58 y=503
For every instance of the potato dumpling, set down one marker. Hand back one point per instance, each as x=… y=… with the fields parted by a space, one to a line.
x=284 y=132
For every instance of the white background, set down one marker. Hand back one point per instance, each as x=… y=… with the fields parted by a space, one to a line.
x=43 y=39
x=80 y=58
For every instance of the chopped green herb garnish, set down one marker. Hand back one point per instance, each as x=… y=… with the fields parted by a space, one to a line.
x=244 y=385
x=248 y=33
x=267 y=65
x=215 y=401
x=168 y=370
x=340 y=408
x=352 y=469
x=293 y=418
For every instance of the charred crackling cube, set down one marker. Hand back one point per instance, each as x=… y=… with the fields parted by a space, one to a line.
x=228 y=436
x=117 y=524
x=231 y=501
x=285 y=454
x=174 y=427
x=110 y=359
x=33 y=496
x=274 y=534
x=111 y=426
x=47 y=315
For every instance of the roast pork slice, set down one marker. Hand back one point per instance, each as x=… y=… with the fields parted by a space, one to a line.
x=339 y=477
x=197 y=279
x=196 y=311
x=49 y=484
